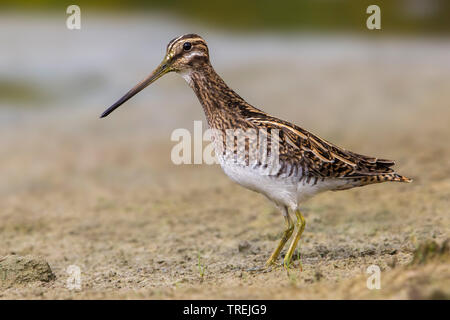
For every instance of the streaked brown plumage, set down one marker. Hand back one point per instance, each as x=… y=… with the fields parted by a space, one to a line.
x=308 y=164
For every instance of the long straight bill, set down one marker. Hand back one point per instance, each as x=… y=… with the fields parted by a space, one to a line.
x=160 y=71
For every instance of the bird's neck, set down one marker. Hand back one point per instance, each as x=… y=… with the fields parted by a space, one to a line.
x=218 y=100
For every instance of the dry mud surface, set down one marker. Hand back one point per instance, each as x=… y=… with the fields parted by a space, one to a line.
x=103 y=194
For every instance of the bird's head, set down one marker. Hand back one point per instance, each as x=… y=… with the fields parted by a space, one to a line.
x=183 y=54
x=187 y=52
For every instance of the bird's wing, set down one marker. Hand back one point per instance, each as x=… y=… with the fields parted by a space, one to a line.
x=321 y=157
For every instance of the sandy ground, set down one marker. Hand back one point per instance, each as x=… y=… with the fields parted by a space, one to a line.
x=103 y=194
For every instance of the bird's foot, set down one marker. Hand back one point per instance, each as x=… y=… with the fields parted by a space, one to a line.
x=256 y=269
x=272 y=265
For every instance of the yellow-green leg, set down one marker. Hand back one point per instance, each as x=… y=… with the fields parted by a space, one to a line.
x=300 y=227
x=286 y=235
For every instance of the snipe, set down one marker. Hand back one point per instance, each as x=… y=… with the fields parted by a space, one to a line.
x=306 y=163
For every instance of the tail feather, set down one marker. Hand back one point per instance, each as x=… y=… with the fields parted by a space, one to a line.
x=371 y=179
x=386 y=162
x=397 y=177
x=385 y=177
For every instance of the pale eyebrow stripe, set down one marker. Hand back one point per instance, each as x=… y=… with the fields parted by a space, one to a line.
x=173 y=41
x=195 y=53
x=193 y=40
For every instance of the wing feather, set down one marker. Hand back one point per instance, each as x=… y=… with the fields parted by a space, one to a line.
x=322 y=157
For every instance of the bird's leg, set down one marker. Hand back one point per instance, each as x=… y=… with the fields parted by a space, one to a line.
x=286 y=235
x=300 y=227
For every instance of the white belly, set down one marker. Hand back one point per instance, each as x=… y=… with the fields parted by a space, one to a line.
x=285 y=191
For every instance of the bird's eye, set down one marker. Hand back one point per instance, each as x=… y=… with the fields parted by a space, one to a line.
x=187 y=46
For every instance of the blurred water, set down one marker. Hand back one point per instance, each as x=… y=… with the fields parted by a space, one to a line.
x=56 y=69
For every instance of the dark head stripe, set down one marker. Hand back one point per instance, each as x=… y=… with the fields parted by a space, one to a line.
x=195 y=53
x=193 y=38
x=197 y=58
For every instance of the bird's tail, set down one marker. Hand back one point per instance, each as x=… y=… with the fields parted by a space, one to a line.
x=392 y=177
x=371 y=179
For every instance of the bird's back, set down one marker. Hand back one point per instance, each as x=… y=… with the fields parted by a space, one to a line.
x=318 y=159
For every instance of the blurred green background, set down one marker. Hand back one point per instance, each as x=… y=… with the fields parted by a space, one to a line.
x=399 y=16
x=43 y=64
